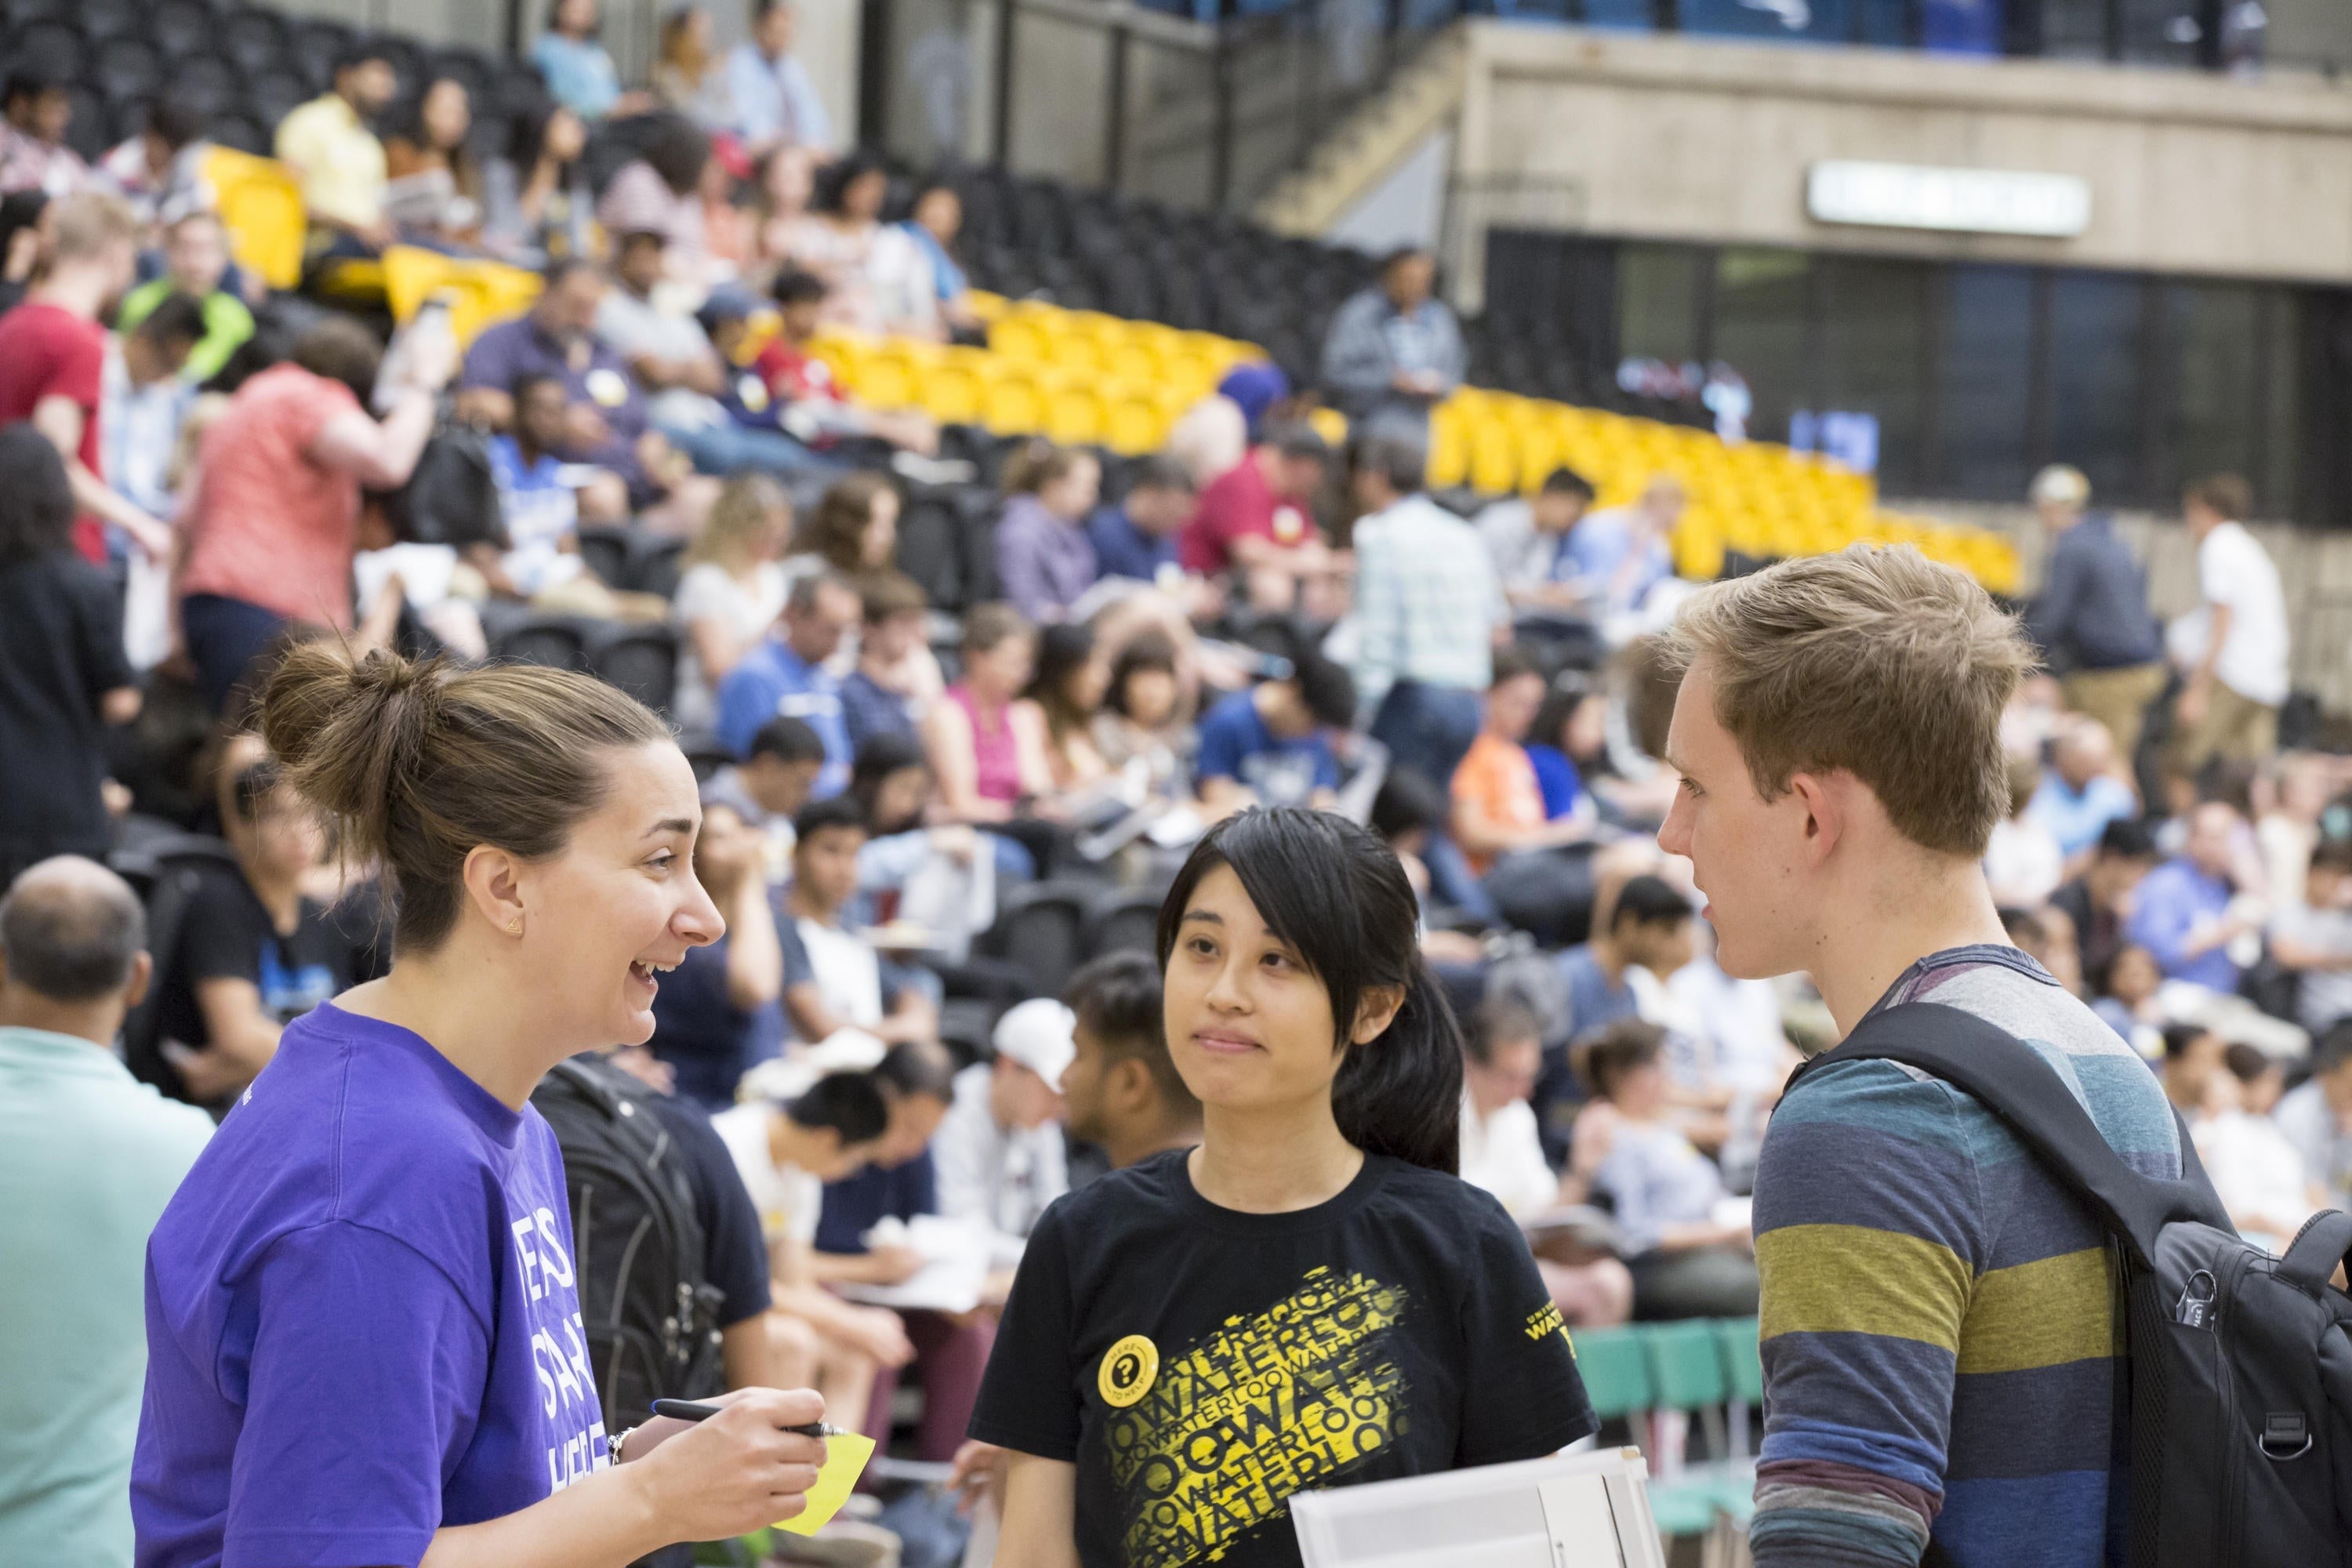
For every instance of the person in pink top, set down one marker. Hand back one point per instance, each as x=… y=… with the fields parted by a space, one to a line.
x=269 y=532
x=988 y=748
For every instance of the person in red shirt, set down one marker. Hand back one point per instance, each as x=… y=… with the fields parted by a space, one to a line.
x=1255 y=520
x=53 y=359
x=815 y=407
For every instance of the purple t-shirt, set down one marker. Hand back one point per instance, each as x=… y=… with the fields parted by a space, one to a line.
x=362 y=1323
x=509 y=350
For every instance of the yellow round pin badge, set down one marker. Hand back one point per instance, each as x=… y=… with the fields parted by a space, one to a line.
x=1128 y=1369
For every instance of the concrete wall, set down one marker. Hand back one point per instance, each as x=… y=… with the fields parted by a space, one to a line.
x=1709 y=140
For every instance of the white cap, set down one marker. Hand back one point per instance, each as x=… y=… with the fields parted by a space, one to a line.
x=2061 y=485
x=1037 y=1034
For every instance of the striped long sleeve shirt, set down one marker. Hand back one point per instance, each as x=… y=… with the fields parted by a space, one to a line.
x=1939 y=1349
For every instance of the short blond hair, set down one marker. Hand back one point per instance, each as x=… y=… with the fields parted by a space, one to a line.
x=1874 y=661
x=88 y=221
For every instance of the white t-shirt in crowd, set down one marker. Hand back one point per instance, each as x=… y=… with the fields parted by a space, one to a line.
x=1004 y=1179
x=788 y=1199
x=2255 y=1170
x=2232 y=569
x=743 y=609
x=2323 y=995
x=1502 y=1154
x=2022 y=862
x=2305 y=1116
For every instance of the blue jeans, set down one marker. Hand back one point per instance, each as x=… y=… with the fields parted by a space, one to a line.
x=730 y=448
x=1427 y=728
x=224 y=638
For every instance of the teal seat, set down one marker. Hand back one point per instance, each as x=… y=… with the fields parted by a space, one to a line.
x=1743 y=1362
x=1685 y=1365
x=1685 y=1507
x=1616 y=1371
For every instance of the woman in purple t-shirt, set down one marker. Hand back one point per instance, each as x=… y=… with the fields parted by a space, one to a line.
x=363 y=1327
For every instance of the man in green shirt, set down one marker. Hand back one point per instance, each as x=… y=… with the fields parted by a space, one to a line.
x=195 y=260
x=89 y=1157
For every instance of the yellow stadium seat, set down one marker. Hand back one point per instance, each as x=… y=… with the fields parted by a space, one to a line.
x=986 y=306
x=1013 y=404
x=1020 y=337
x=479 y=292
x=1133 y=422
x=262 y=206
x=1449 y=446
x=1074 y=413
x=1331 y=425
x=1494 y=456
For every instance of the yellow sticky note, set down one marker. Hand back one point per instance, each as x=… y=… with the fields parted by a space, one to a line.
x=845 y=1461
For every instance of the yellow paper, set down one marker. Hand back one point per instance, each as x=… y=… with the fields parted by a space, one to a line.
x=845 y=1461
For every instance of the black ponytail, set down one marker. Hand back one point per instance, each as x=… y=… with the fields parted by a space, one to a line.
x=1338 y=898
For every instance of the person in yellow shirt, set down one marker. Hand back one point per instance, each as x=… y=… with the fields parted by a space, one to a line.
x=334 y=151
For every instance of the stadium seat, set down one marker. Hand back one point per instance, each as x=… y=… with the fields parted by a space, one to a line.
x=1126 y=919
x=1041 y=928
x=103 y=19
x=656 y=565
x=126 y=67
x=606 y=552
x=180 y=28
x=558 y=641
x=642 y=660
x=261 y=205
x=930 y=549
x=479 y=291
x=254 y=41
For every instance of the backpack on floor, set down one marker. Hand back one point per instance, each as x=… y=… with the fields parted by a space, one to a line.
x=651 y=1313
x=2240 y=1362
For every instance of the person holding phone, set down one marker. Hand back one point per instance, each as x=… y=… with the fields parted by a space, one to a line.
x=363 y=1327
x=1310 y=1298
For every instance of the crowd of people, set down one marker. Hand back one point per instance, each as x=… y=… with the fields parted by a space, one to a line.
x=199 y=479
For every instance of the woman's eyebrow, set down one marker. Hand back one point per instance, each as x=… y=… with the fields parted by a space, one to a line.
x=1208 y=915
x=670 y=825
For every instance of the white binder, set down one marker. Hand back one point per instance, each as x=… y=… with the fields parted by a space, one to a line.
x=1579 y=1510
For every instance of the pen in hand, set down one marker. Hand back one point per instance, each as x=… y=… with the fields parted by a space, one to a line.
x=692 y=1410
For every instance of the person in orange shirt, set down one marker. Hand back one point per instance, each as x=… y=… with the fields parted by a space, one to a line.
x=1498 y=807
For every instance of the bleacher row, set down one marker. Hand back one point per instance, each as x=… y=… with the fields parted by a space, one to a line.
x=244 y=67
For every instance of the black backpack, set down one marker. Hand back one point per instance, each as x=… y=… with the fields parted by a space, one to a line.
x=652 y=1314
x=2240 y=1362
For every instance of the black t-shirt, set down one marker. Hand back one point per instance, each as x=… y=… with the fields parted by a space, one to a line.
x=228 y=935
x=734 y=1257
x=60 y=651
x=1199 y=1365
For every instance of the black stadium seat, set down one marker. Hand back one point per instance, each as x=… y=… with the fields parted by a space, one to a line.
x=87 y=133
x=317 y=42
x=657 y=564
x=642 y=660
x=254 y=41
x=106 y=18
x=180 y=28
x=127 y=69
x=49 y=48
x=606 y=552
x=930 y=550
x=207 y=82
x=275 y=93
x=241 y=131
x=559 y=641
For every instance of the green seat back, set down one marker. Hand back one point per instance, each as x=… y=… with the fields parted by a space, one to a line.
x=1685 y=1367
x=1743 y=1363
x=1616 y=1373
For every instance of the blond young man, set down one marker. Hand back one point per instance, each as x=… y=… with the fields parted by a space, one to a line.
x=1936 y=1311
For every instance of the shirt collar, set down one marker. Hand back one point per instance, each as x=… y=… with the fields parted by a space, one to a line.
x=51 y=1052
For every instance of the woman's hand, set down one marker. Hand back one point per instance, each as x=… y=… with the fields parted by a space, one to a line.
x=711 y=1479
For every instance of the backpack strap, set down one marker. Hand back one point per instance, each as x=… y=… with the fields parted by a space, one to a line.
x=2323 y=1242
x=2008 y=1078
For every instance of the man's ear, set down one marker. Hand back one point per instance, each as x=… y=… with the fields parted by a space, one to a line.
x=1825 y=797
x=142 y=972
x=1129 y=1081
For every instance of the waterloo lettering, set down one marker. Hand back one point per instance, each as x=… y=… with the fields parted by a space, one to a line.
x=1301 y=1393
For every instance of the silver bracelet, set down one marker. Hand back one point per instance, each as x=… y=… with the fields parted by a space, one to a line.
x=619 y=1444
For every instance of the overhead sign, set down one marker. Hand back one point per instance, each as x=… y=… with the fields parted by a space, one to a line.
x=1961 y=201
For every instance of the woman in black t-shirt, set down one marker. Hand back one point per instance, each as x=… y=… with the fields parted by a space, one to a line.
x=1308 y=1299
x=253 y=953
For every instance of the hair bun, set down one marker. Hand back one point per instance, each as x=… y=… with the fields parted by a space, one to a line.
x=348 y=732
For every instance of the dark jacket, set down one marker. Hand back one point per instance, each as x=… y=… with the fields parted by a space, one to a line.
x=2093 y=610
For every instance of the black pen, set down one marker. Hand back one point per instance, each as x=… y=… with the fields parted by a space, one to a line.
x=692 y=1410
